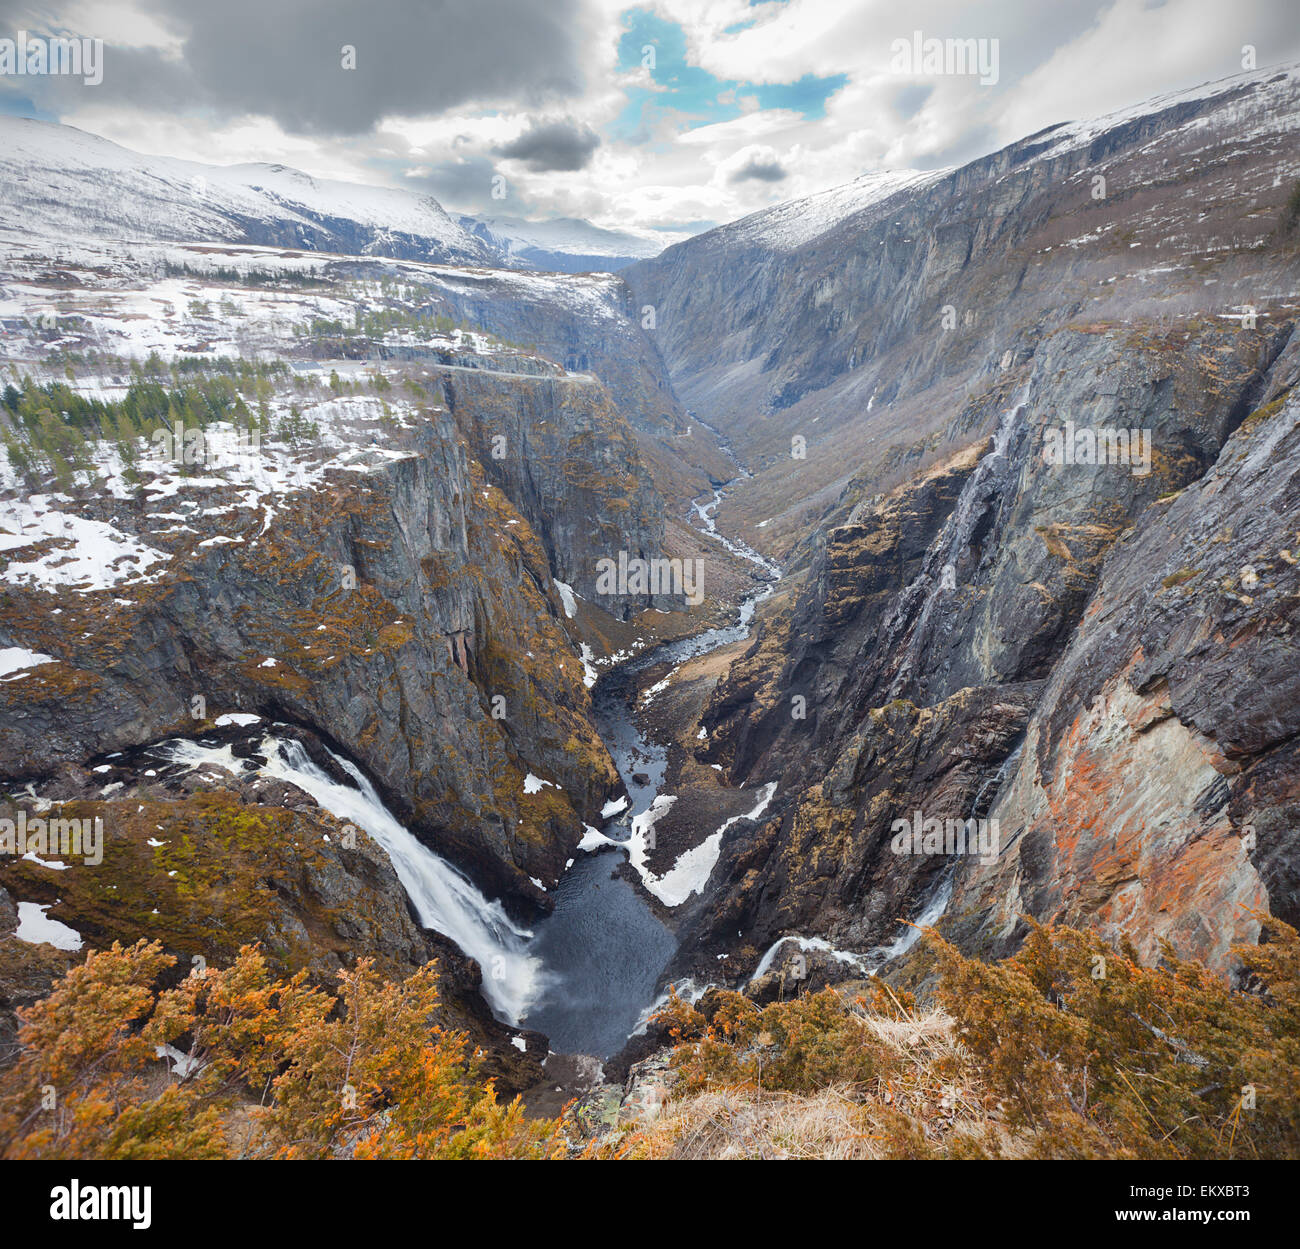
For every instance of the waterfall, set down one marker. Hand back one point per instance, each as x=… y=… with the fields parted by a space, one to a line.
x=442 y=897
x=873 y=960
x=688 y=990
x=995 y=780
x=929 y=916
x=938 y=575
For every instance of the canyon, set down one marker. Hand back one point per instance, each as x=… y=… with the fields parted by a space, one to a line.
x=371 y=690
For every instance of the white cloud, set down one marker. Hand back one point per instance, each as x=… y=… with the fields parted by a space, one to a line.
x=1056 y=64
x=1154 y=49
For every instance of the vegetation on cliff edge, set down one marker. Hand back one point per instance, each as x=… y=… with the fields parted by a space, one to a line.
x=1069 y=1049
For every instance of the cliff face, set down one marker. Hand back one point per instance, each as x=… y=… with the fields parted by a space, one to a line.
x=591 y=326
x=863 y=331
x=1003 y=635
x=562 y=453
x=386 y=610
x=943 y=619
x=586 y=323
x=1157 y=790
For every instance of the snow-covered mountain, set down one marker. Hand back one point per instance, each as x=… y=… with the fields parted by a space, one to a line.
x=786 y=226
x=566 y=244
x=60 y=181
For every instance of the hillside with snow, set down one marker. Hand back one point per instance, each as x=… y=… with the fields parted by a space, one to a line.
x=796 y=222
x=566 y=244
x=60 y=182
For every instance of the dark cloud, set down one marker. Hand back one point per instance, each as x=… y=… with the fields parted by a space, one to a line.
x=283 y=59
x=547 y=145
x=757 y=169
x=463 y=185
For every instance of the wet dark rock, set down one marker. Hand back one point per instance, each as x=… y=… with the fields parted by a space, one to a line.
x=951 y=600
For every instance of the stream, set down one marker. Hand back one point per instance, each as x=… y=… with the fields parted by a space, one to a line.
x=603 y=948
x=587 y=974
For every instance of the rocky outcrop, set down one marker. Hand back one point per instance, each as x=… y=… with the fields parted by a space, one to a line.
x=1158 y=789
x=406 y=614
x=560 y=451
x=826 y=867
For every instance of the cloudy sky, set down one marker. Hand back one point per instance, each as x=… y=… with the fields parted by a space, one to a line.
x=666 y=115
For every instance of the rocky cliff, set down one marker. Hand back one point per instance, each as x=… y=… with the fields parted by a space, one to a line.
x=386 y=610
x=950 y=651
x=377 y=558
x=860 y=323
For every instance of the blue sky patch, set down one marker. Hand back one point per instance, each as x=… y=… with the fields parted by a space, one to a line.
x=694 y=93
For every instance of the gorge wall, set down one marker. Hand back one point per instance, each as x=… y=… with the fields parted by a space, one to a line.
x=970 y=631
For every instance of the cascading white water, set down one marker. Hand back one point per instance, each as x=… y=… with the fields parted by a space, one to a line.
x=938 y=575
x=965 y=514
x=805 y=943
x=995 y=782
x=928 y=917
x=443 y=899
x=689 y=990
x=874 y=959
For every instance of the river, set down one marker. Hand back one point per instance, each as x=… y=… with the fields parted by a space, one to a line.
x=585 y=974
x=603 y=948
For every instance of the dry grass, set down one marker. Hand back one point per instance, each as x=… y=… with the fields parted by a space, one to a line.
x=748 y=1123
x=930 y=1104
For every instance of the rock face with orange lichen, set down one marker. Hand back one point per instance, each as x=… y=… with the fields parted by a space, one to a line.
x=1079 y=651
x=1158 y=790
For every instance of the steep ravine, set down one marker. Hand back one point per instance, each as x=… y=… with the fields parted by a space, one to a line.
x=605 y=947
x=580 y=978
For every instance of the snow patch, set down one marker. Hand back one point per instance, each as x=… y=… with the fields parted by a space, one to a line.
x=568 y=598
x=18 y=659
x=241 y=718
x=37 y=928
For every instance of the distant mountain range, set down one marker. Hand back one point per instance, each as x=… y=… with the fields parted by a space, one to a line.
x=565 y=244
x=77 y=184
